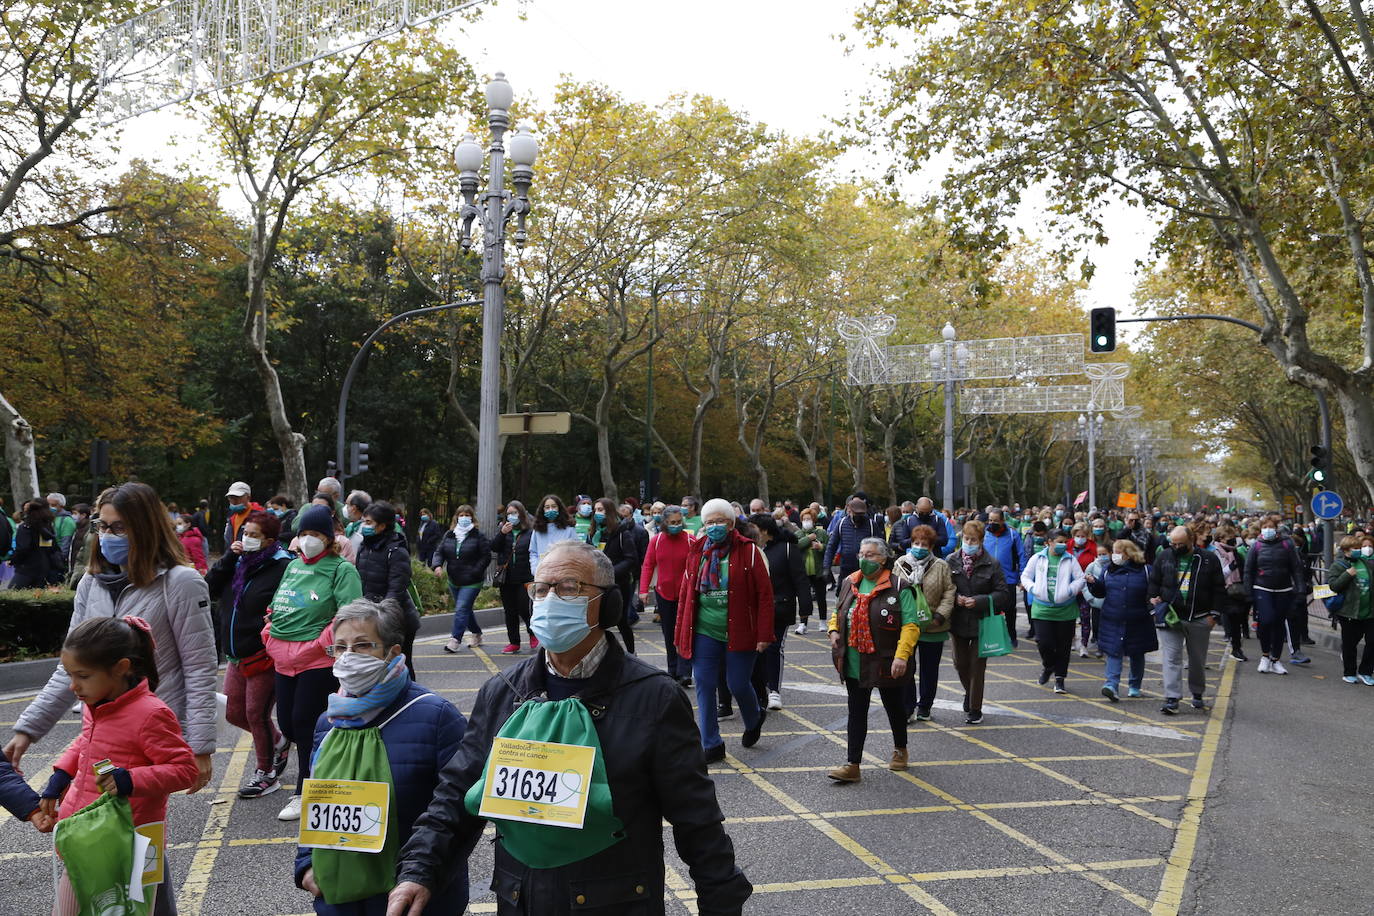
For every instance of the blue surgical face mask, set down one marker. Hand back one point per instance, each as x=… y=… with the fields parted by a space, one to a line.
x=550 y=514
x=424 y=518
x=673 y=529
x=1269 y=533
x=115 y=548
x=658 y=516
x=237 y=507
x=717 y=532
x=560 y=623
x=513 y=518
x=972 y=549
x=367 y=530
x=600 y=517
x=919 y=553
x=1058 y=549
x=584 y=511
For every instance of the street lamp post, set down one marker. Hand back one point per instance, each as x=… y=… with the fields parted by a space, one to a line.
x=949 y=362
x=497 y=209
x=1092 y=426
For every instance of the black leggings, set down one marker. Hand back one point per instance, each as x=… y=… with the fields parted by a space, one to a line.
x=1054 y=639
x=301 y=698
x=818 y=600
x=1352 y=631
x=515 y=601
x=859 y=698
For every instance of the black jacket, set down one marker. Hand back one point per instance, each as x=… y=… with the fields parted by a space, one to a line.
x=383 y=563
x=1148 y=542
x=466 y=565
x=431 y=533
x=241 y=624
x=514 y=550
x=787 y=569
x=1274 y=565
x=986 y=580
x=1207 y=594
x=622 y=549
x=37 y=558
x=656 y=771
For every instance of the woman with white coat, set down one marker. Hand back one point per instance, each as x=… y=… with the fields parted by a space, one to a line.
x=1053 y=579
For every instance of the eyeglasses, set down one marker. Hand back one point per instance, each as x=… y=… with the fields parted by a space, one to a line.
x=117 y=528
x=566 y=589
x=336 y=650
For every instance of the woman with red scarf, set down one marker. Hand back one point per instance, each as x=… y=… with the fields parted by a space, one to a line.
x=873 y=633
x=724 y=617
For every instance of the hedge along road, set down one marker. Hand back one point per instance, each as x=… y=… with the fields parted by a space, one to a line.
x=1063 y=804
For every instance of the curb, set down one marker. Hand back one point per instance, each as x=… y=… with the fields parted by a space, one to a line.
x=31 y=675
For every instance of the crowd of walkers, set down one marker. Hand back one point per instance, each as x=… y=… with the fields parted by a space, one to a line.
x=314 y=614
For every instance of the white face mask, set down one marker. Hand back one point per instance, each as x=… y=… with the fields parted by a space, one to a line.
x=1367 y=551
x=1119 y=559
x=181 y=529
x=359 y=672
x=252 y=545
x=312 y=546
x=808 y=524
x=464 y=523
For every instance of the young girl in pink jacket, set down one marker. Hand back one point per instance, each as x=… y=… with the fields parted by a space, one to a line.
x=110 y=663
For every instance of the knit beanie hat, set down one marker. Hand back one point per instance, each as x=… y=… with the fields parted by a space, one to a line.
x=317 y=518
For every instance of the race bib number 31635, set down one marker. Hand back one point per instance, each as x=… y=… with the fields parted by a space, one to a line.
x=344 y=814
x=538 y=782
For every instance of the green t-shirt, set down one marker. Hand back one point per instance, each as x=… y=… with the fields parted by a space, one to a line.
x=692 y=523
x=583 y=524
x=310 y=595
x=713 y=607
x=63 y=526
x=1115 y=526
x=1185 y=575
x=910 y=614
x=1043 y=610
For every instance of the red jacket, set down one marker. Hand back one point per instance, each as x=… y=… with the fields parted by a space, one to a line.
x=668 y=554
x=138 y=732
x=749 y=618
x=194 y=544
x=1085 y=555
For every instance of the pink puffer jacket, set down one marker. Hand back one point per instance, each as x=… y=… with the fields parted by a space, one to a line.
x=138 y=732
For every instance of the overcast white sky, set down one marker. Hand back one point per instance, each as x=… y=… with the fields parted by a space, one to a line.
x=782 y=61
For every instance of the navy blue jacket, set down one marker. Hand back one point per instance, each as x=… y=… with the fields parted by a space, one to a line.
x=466 y=565
x=15 y=794
x=1128 y=623
x=418 y=743
x=845 y=538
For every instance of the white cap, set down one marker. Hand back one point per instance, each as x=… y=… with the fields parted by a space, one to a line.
x=238 y=488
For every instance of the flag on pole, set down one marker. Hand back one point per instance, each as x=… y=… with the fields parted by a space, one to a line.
x=1081 y=496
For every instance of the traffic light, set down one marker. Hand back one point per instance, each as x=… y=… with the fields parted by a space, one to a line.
x=1102 y=330
x=357 y=458
x=1321 y=464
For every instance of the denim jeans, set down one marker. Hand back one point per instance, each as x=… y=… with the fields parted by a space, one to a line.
x=464 y=618
x=1114 y=663
x=667 y=621
x=708 y=655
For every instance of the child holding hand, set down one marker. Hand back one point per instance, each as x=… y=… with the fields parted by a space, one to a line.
x=19 y=799
x=111 y=665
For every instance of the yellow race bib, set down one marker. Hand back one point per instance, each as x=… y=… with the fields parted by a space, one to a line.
x=537 y=782
x=344 y=814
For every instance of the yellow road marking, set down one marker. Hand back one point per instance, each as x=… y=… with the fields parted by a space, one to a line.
x=1185 y=839
x=198 y=877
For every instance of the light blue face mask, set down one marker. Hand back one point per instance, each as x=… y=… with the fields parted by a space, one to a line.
x=115 y=548
x=600 y=517
x=513 y=518
x=716 y=533
x=972 y=549
x=367 y=530
x=919 y=553
x=560 y=623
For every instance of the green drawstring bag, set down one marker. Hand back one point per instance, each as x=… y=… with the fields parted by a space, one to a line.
x=97 y=848
x=345 y=875
x=565 y=722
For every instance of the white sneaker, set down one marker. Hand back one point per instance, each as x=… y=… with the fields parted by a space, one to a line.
x=774 y=699
x=292 y=811
x=474 y=640
x=800 y=628
x=1266 y=665
x=452 y=646
x=1278 y=667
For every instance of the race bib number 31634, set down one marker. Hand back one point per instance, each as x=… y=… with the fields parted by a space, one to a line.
x=538 y=782
x=344 y=814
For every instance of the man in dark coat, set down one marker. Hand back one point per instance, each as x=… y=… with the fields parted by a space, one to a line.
x=1188 y=581
x=654 y=766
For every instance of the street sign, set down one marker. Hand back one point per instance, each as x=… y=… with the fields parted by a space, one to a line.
x=1327 y=504
x=536 y=424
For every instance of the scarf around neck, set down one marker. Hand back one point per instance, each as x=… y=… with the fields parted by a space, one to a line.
x=345 y=711
x=708 y=578
x=860 y=633
x=248 y=563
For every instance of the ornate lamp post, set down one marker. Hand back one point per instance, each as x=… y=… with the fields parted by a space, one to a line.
x=1091 y=425
x=950 y=363
x=496 y=210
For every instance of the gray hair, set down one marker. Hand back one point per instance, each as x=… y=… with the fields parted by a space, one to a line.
x=359 y=499
x=58 y=498
x=332 y=485
x=604 y=577
x=385 y=615
x=673 y=510
x=876 y=542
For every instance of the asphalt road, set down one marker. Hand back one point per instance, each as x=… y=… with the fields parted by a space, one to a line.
x=1055 y=804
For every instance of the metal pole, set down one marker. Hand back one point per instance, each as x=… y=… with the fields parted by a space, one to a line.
x=648 y=495
x=948 y=494
x=830 y=460
x=1328 y=525
x=340 y=425
x=1092 y=459
x=493 y=320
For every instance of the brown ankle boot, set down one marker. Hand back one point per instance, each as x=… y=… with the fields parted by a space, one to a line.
x=847 y=773
x=898 y=761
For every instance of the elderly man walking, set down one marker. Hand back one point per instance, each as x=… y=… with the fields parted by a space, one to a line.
x=1187 y=591
x=577 y=754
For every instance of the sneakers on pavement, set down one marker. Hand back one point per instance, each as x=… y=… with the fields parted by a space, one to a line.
x=1351 y=679
x=1044 y=677
x=1238 y=655
x=1276 y=667
x=1134 y=693
x=1059 y=685
x=922 y=714
x=725 y=711
x=800 y=628
x=1266 y=665
x=292 y=811
x=511 y=649
x=774 y=699
x=1297 y=658
x=973 y=718
x=715 y=754
x=1198 y=702
x=452 y=646
x=258 y=785
x=1110 y=693
x=1170 y=707
x=534 y=643
x=751 y=735
x=1367 y=680
x=474 y=640
x=281 y=756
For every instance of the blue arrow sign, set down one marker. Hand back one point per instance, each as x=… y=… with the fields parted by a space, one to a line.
x=1327 y=504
